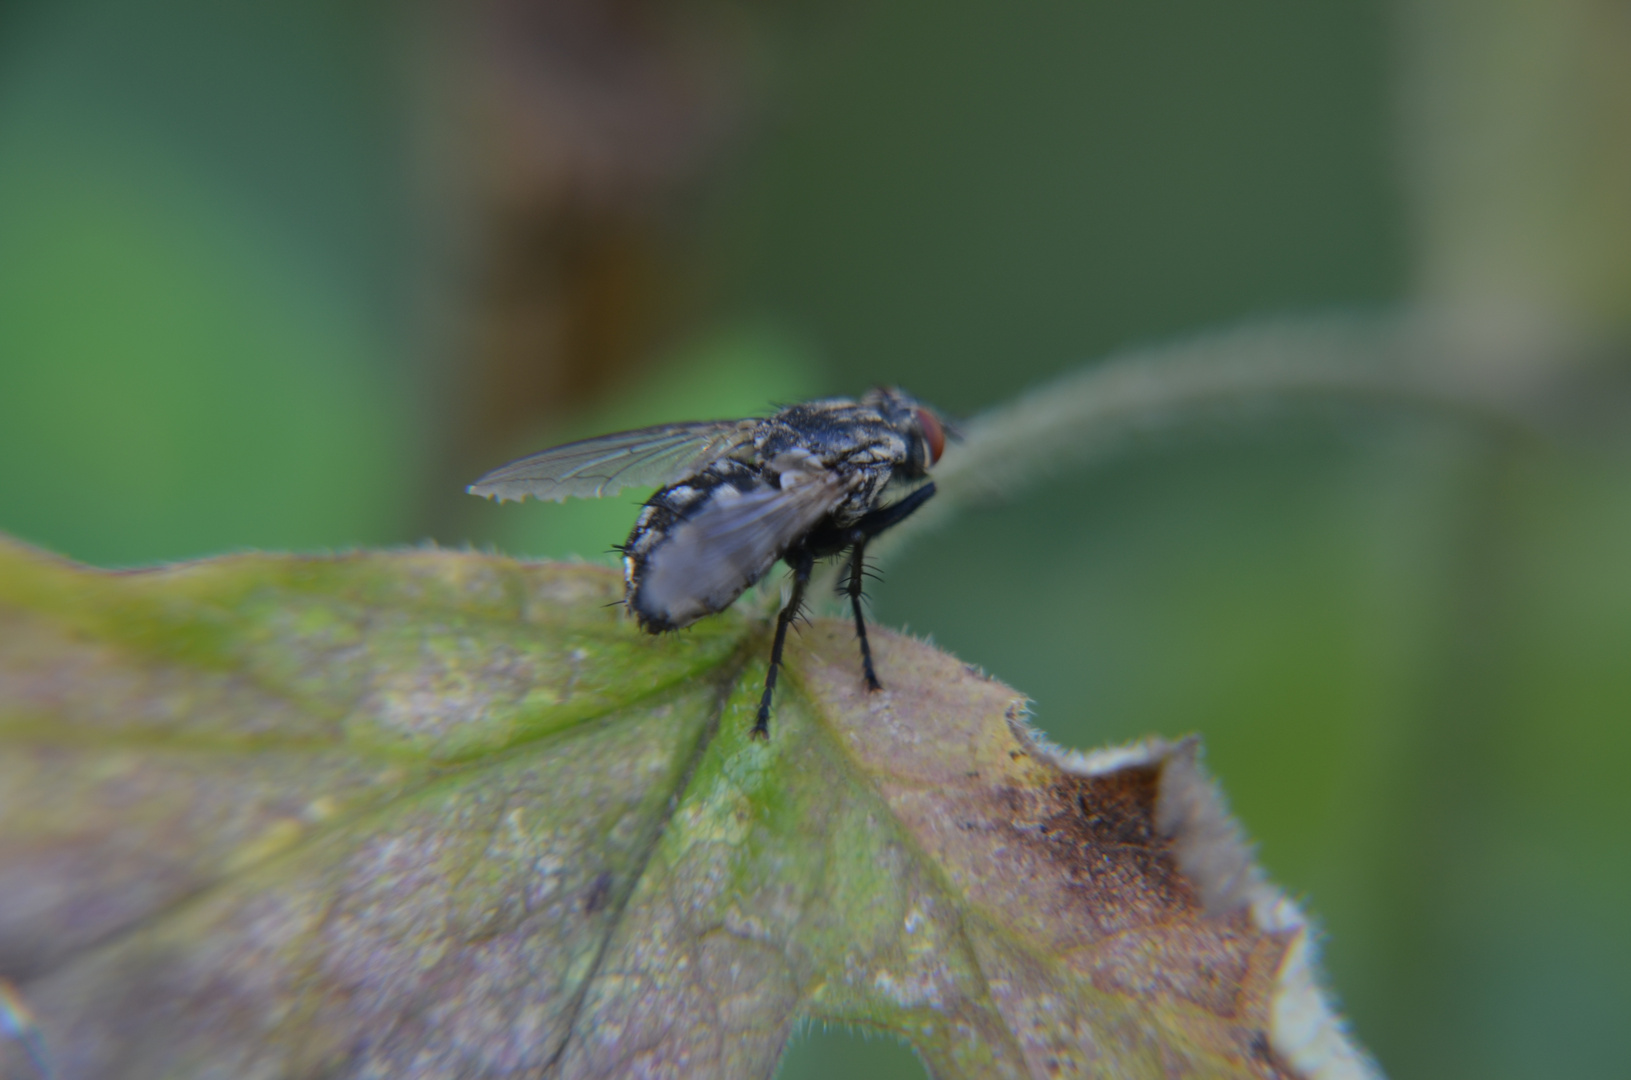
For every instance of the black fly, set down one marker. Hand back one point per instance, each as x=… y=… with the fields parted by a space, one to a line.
x=804 y=484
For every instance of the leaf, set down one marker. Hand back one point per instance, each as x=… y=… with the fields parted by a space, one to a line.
x=434 y=814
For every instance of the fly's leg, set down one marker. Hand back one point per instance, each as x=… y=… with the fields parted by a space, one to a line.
x=801 y=561
x=888 y=517
x=857 y=566
x=866 y=528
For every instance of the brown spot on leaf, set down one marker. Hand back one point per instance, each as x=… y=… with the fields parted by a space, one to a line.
x=1097 y=835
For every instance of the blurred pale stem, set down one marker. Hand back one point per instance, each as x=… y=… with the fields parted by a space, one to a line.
x=1097 y=412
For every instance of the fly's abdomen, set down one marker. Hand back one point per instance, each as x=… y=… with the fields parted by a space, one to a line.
x=702 y=542
x=680 y=579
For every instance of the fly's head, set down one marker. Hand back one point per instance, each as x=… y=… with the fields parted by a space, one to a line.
x=924 y=429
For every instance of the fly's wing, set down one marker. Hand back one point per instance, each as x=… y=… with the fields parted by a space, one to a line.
x=728 y=544
x=651 y=456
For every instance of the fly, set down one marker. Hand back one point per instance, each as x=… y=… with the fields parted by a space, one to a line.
x=736 y=495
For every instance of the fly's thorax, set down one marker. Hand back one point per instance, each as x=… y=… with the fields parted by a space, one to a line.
x=864 y=496
x=860 y=475
x=839 y=433
x=794 y=467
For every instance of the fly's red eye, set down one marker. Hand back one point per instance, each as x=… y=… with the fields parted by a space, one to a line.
x=933 y=433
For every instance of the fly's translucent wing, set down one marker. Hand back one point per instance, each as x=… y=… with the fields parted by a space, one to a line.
x=727 y=544
x=651 y=456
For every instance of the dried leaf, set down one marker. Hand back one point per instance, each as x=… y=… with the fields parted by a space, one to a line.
x=432 y=814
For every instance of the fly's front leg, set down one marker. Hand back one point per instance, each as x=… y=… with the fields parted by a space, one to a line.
x=866 y=528
x=801 y=562
x=887 y=517
x=857 y=566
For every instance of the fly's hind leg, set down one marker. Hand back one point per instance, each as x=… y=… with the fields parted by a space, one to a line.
x=866 y=528
x=801 y=560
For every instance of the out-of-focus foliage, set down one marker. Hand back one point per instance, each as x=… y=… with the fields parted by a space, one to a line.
x=183 y=369
x=236 y=315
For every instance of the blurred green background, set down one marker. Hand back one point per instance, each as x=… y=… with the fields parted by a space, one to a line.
x=289 y=275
